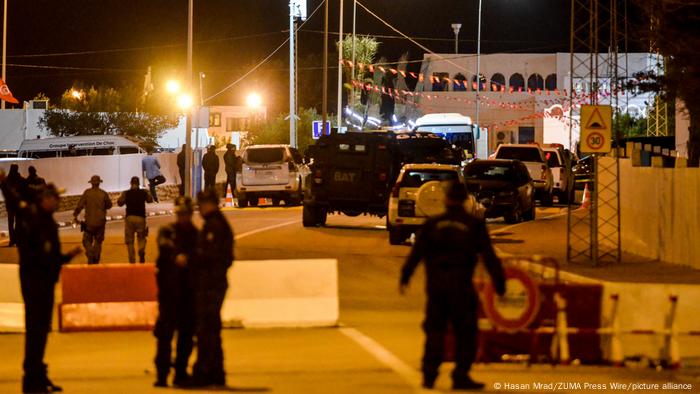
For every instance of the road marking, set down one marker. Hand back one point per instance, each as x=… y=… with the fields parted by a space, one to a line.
x=384 y=356
x=263 y=229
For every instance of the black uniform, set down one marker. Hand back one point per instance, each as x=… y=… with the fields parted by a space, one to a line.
x=15 y=187
x=210 y=164
x=175 y=298
x=215 y=250
x=181 y=170
x=449 y=244
x=232 y=164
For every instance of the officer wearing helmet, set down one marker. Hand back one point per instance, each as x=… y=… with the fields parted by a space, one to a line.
x=215 y=256
x=450 y=245
x=177 y=248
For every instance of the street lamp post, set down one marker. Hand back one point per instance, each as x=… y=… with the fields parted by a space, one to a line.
x=455 y=28
x=340 y=69
x=352 y=69
x=478 y=68
x=188 y=122
x=4 y=47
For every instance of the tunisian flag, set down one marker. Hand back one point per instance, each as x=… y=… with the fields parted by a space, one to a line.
x=5 y=93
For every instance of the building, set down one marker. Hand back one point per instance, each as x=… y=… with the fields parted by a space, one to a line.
x=231 y=123
x=524 y=97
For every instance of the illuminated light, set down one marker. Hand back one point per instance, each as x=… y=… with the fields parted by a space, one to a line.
x=76 y=94
x=184 y=101
x=253 y=100
x=172 y=86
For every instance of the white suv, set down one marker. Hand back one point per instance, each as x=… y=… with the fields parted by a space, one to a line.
x=270 y=171
x=557 y=160
x=419 y=193
x=534 y=159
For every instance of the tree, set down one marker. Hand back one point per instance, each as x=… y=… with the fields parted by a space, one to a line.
x=677 y=35
x=365 y=50
x=629 y=126
x=276 y=131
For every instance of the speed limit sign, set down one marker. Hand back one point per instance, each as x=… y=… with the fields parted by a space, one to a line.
x=596 y=128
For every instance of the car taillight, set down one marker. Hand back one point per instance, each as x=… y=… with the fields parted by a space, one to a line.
x=544 y=173
x=395 y=190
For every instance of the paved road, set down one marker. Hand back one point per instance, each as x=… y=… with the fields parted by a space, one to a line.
x=376 y=349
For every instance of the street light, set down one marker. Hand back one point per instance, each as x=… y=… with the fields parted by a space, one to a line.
x=184 y=102
x=253 y=100
x=455 y=28
x=76 y=94
x=172 y=86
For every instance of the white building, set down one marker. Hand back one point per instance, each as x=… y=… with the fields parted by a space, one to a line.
x=524 y=97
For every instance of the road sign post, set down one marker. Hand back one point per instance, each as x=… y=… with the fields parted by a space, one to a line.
x=316 y=129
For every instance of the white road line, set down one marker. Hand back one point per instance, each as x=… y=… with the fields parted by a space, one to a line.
x=263 y=229
x=384 y=356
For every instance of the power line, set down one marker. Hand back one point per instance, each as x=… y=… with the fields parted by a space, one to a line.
x=419 y=38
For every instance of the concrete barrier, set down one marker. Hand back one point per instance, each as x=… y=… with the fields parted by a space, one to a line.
x=282 y=293
x=108 y=297
x=11 y=303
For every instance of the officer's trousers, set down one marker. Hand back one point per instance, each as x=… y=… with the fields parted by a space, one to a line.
x=209 y=367
x=210 y=180
x=175 y=313
x=38 y=295
x=460 y=309
x=92 y=242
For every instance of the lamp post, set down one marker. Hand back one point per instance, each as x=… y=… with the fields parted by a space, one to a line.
x=4 y=47
x=340 y=69
x=188 y=122
x=455 y=28
x=478 y=68
x=324 y=105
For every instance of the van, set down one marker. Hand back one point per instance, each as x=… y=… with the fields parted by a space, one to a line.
x=85 y=145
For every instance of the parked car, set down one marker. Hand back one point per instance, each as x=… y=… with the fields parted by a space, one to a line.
x=583 y=172
x=270 y=171
x=557 y=160
x=419 y=193
x=504 y=187
x=533 y=157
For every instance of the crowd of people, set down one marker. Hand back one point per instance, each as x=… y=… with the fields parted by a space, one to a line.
x=192 y=267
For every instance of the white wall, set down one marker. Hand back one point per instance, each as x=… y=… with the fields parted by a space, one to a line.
x=73 y=173
x=682 y=129
x=660 y=215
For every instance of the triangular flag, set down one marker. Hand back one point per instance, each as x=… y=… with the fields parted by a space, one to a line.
x=5 y=93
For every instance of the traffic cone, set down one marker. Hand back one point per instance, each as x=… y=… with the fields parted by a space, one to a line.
x=262 y=201
x=229 y=197
x=586 y=200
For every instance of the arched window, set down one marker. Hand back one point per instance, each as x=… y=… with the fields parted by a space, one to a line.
x=516 y=82
x=535 y=82
x=498 y=81
x=458 y=84
x=550 y=83
x=482 y=81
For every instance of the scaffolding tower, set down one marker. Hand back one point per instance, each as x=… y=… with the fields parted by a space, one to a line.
x=657 y=111
x=597 y=70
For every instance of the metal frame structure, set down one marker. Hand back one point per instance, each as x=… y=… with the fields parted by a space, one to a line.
x=593 y=234
x=657 y=114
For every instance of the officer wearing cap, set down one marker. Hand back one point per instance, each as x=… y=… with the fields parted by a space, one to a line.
x=177 y=247
x=96 y=202
x=215 y=256
x=450 y=244
x=40 y=261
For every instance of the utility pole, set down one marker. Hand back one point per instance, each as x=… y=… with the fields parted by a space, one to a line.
x=352 y=70
x=478 y=68
x=188 y=122
x=4 y=47
x=324 y=106
x=340 y=69
x=292 y=74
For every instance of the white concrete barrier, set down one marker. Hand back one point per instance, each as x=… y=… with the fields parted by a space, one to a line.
x=282 y=293
x=11 y=303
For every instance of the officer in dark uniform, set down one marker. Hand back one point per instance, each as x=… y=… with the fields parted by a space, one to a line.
x=177 y=247
x=450 y=244
x=215 y=256
x=40 y=261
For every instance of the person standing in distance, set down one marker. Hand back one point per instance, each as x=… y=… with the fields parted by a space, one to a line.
x=16 y=186
x=96 y=202
x=40 y=261
x=151 y=169
x=210 y=164
x=232 y=164
x=214 y=257
x=177 y=248
x=135 y=200
x=450 y=245
x=181 y=168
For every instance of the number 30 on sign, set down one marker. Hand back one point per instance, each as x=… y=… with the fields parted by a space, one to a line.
x=596 y=128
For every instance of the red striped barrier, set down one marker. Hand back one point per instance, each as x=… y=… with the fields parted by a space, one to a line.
x=108 y=297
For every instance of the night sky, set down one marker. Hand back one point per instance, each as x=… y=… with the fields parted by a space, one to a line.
x=112 y=42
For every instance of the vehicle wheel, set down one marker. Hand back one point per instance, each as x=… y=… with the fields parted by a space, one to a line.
x=293 y=199
x=242 y=203
x=531 y=213
x=276 y=202
x=253 y=202
x=547 y=199
x=396 y=235
x=564 y=197
x=322 y=217
x=309 y=216
x=515 y=216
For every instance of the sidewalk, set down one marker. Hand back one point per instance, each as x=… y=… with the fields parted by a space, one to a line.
x=65 y=218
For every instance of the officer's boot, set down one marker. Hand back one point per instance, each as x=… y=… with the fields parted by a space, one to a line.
x=162 y=377
x=142 y=257
x=182 y=378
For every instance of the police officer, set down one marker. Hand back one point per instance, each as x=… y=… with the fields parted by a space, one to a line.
x=96 y=202
x=450 y=244
x=135 y=200
x=232 y=164
x=210 y=164
x=40 y=261
x=177 y=246
x=215 y=256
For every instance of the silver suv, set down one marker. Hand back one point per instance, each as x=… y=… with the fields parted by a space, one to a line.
x=270 y=171
x=534 y=159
